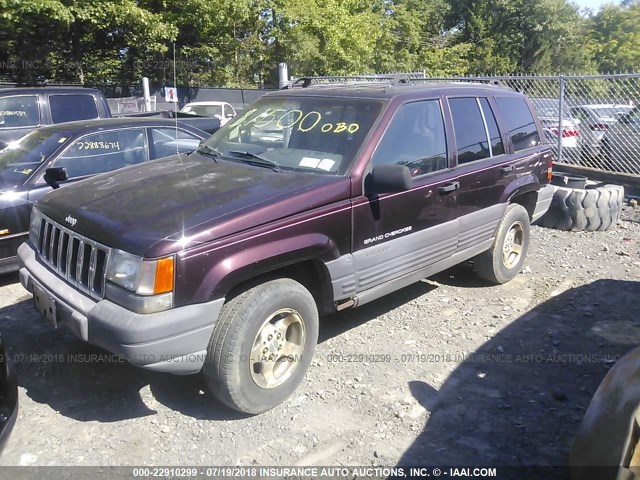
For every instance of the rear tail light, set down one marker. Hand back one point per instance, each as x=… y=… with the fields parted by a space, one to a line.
x=599 y=127
x=549 y=158
x=569 y=132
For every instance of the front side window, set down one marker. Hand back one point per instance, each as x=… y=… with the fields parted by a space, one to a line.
x=20 y=159
x=19 y=111
x=416 y=138
x=303 y=134
x=103 y=151
x=68 y=108
x=522 y=127
x=170 y=141
x=469 y=127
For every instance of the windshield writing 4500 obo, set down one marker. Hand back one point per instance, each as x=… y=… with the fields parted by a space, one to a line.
x=315 y=135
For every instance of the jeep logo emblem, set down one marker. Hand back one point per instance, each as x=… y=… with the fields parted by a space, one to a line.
x=70 y=220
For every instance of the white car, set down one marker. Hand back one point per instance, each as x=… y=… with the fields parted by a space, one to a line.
x=220 y=110
x=549 y=112
x=593 y=121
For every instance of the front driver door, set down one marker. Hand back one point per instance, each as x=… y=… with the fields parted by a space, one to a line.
x=399 y=233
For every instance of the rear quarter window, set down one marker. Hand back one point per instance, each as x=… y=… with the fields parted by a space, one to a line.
x=68 y=108
x=521 y=125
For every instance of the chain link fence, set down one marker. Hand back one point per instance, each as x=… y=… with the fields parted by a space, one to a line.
x=591 y=120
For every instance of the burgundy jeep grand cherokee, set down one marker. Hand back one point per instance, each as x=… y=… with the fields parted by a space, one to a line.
x=314 y=200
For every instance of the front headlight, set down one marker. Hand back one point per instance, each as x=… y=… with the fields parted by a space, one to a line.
x=34 y=226
x=143 y=277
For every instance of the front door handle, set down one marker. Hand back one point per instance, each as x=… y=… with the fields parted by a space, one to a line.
x=449 y=187
x=507 y=170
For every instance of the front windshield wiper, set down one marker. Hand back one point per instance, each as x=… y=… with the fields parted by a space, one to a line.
x=261 y=161
x=209 y=152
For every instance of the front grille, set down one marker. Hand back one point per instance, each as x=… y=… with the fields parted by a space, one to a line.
x=80 y=261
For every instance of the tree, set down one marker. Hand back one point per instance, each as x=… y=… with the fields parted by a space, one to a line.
x=615 y=37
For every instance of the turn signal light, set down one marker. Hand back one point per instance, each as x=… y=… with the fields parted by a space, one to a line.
x=164 y=276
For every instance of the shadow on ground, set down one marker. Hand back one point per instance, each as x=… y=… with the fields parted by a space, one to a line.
x=86 y=383
x=519 y=398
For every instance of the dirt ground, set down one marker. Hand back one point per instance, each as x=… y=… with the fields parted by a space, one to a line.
x=449 y=371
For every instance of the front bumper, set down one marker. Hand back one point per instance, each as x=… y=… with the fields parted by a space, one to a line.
x=172 y=341
x=545 y=196
x=8 y=397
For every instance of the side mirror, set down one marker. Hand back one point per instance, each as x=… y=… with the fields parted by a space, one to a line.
x=230 y=115
x=389 y=179
x=54 y=175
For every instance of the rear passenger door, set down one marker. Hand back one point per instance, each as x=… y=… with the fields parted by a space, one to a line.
x=484 y=169
x=399 y=233
x=497 y=140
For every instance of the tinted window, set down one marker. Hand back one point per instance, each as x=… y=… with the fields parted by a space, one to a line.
x=20 y=159
x=103 y=152
x=304 y=134
x=19 y=111
x=471 y=136
x=415 y=138
x=520 y=122
x=497 y=147
x=165 y=143
x=67 y=108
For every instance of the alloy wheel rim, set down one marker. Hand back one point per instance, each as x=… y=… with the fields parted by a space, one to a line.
x=277 y=348
x=513 y=245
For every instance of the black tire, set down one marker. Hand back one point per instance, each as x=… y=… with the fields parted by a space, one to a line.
x=594 y=208
x=228 y=367
x=493 y=265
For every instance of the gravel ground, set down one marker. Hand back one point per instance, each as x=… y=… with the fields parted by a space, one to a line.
x=447 y=371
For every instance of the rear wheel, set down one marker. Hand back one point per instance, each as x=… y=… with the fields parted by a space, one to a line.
x=504 y=260
x=262 y=345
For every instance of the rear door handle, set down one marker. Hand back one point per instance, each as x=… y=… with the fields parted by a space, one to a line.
x=449 y=187
x=507 y=170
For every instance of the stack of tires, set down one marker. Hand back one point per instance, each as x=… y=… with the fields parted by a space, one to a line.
x=579 y=205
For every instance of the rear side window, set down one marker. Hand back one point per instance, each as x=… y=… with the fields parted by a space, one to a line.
x=522 y=127
x=495 y=139
x=68 y=108
x=19 y=111
x=169 y=141
x=469 y=127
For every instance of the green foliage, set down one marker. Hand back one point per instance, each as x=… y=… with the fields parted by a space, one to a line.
x=240 y=42
x=616 y=37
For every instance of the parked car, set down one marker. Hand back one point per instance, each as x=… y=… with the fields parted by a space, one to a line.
x=621 y=143
x=549 y=112
x=593 y=121
x=25 y=109
x=83 y=149
x=220 y=110
x=222 y=262
x=8 y=396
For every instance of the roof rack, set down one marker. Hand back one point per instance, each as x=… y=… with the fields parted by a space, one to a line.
x=394 y=80
x=304 y=82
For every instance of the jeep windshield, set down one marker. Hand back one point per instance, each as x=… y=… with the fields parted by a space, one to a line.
x=22 y=157
x=302 y=134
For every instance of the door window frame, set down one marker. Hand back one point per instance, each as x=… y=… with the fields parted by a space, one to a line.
x=59 y=154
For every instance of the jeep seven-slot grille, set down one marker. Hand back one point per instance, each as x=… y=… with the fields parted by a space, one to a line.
x=82 y=262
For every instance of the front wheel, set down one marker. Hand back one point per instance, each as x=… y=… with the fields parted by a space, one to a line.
x=262 y=346
x=504 y=260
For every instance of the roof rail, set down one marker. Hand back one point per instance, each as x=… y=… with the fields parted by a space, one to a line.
x=304 y=82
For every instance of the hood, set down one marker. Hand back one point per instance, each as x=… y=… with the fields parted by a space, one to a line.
x=164 y=206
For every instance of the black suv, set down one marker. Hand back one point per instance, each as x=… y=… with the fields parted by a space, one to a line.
x=314 y=200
